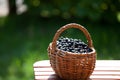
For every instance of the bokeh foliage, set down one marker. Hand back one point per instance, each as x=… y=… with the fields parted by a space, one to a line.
x=24 y=38
x=92 y=10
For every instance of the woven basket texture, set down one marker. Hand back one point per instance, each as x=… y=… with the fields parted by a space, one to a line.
x=68 y=65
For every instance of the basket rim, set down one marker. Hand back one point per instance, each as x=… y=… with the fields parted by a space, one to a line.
x=70 y=53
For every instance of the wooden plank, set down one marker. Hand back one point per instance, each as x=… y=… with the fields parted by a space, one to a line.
x=106 y=63
x=106 y=77
x=45 y=77
x=54 y=77
x=112 y=69
x=106 y=73
x=43 y=73
x=44 y=63
x=94 y=73
x=105 y=70
x=43 y=69
x=108 y=68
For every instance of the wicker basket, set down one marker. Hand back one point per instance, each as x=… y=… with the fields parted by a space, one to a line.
x=68 y=65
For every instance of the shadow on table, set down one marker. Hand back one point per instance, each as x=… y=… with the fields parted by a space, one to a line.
x=55 y=77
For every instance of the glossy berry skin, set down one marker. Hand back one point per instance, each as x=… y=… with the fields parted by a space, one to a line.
x=72 y=45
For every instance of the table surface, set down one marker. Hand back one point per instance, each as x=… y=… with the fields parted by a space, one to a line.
x=105 y=70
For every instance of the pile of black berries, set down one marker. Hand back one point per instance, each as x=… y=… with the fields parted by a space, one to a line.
x=72 y=45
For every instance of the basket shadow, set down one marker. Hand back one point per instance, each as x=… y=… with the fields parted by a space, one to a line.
x=56 y=77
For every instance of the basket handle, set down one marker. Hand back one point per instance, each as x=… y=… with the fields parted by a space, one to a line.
x=71 y=25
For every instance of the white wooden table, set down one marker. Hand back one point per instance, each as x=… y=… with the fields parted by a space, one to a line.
x=105 y=70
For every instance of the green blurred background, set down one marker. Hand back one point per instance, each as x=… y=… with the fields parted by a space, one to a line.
x=29 y=26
